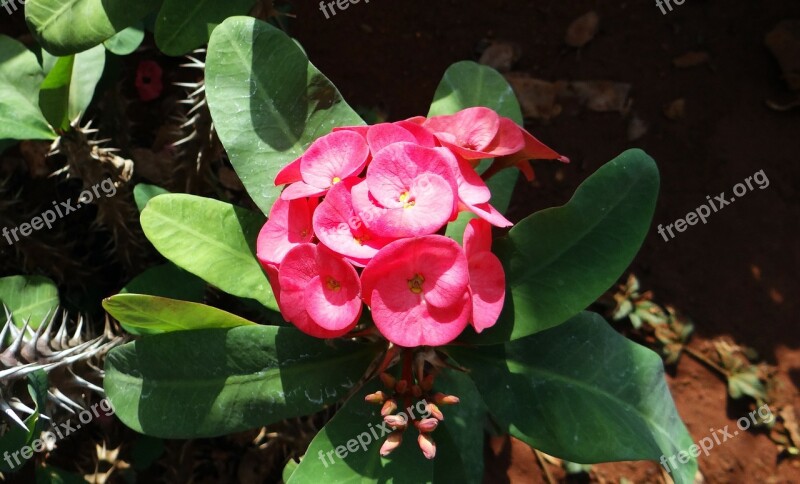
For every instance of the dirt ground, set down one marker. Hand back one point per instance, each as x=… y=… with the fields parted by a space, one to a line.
x=736 y=277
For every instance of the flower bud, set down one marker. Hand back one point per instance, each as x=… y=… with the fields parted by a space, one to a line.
x=427 y=425
x=388 y=380
x=392 y=442
x=377 y=398
x=427 y=445
x=434 y=411
x=442 y=399
x=416 y=390
x=389 y=407
x=396 y=422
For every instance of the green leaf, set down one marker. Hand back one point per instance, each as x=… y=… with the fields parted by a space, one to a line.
x=182 y=27
x=126 y=41
x=29 y=297
x=268 y=102
x=69 y=86
x=16 y=437
x=211 y=239
x=143 y=314
x=20 y=77
x=560 y=260
x=582 y=392
x=211 y=382
x=355 y=423
x=468 y=84
x=143 y=192
x=167 y=280
x=65 y=27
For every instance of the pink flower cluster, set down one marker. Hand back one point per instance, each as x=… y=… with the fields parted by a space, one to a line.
x=360 y=222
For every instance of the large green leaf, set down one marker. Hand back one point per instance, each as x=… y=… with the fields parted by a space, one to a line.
x=467 y=84
x=69 y=86
x=560 y=260
x=582 y=392
x=268 y=102
x=182 y=27
x=211 y=239
x=212 y=382
x=355 y=423
x=29 y=297
x=144 y=314
x=20 y=78
x=66 y=27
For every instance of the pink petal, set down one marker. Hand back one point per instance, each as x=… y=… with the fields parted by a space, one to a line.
x=477 y=237
x=471 y=187
x=488 y=284
x=299 y=190
x=289 y=173
x=289 y=224
x=410 y=325
x=487 y=212
x=337 y=225
x=471 y=128
x=382 y=135
x=422 y=136
x=332 y=298
x=334 y=157
x=533 y=150
x=362 y=130
x=509 y=139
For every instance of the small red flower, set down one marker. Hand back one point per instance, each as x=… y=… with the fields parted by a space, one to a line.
x=148 y=80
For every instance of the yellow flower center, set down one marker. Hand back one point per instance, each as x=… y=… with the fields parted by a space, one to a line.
x=333 y=284
x=335 y=180
x=404 y=198
x=415 y=284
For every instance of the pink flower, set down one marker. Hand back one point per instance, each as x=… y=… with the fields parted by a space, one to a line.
x=319 y=291
x=327 y=161
x=487 y=279
x=339 y=227
x=148 y=80
x=477 y=133
x=289 y=224
x=410 y=191
x=418 y=291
